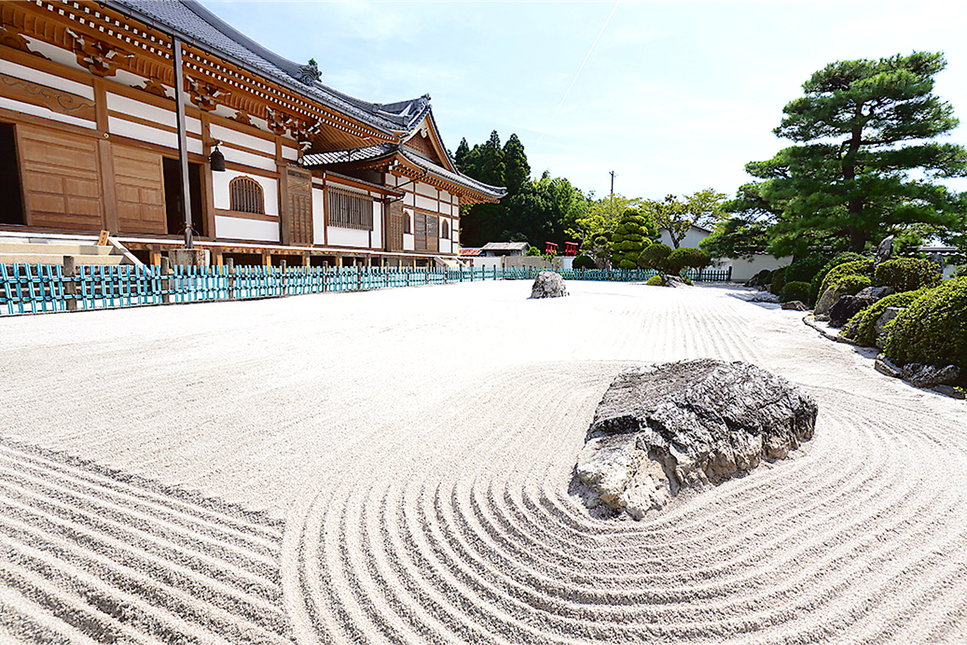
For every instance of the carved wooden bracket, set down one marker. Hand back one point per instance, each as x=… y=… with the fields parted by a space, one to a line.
x=304 y=133
x=14 y=40
x=153 y=86
x=205 y=96
x=278 y=122
x=96 y=56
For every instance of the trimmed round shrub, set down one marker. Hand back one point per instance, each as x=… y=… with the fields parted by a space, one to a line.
x=654 y=257
x=858 y=267
x=933 y=329
x=804 y=269
x=817 y=281
x=907 y=274
x=689 y=258
x=865 y=320
x=656 y=280
x=850 y=285
x=778 y=280
x=583 y=262
x=533 y=252
x=761 y=278
x=797 y=290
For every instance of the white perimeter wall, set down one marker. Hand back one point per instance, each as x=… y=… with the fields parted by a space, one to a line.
x=742 y=270
x=692 y=238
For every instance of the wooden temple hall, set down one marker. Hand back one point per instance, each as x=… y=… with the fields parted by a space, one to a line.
x=137 y=116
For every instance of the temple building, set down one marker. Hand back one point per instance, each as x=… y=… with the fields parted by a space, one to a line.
x=276 y=165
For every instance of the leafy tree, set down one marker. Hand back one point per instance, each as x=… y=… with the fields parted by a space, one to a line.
x=737 y=238
x=703 y=208
x=631 y=236
x=516 y=169
x=597 y=223
x=861 y=128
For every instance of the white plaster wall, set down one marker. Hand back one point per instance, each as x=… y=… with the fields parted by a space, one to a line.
x=292 y=154
x=348 y=237
x=426 y=190
x=409 y=242
x=248 y=159
x=145 y=111
x=408 y=199
x=43 y=78
x=742 y=270
x=143 y=133
x=228 y=135
x=318 y=216
x=44 y=113
x=691 y=240
x=223 y=200
x=377 y=225
x=444 y=208
x=246 y=229
x=426 y=204
x=484 y=261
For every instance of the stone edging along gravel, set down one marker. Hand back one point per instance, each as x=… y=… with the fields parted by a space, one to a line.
x=882 y=364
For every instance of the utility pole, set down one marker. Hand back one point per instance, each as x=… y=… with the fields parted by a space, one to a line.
x=612 y=192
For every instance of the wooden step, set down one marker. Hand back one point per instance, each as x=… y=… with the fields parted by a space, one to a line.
x=58 y=259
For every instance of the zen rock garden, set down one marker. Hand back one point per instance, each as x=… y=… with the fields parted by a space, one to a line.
x=663 y=428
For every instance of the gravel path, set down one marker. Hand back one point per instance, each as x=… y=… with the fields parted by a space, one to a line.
x=396 y=467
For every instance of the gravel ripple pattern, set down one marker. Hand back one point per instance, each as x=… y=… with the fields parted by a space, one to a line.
x=405 y=462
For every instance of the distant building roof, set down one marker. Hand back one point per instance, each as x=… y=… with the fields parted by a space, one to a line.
x=505 y=246
x=470 y=252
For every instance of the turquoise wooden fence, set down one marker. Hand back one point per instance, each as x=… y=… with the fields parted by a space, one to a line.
x=31 y=288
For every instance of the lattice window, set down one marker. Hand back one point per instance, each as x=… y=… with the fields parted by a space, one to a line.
x=350 y=210
x=247 y=195
x=446 y=230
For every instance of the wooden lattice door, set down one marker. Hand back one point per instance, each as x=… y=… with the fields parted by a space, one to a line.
x=394 y=235
x=299 y=188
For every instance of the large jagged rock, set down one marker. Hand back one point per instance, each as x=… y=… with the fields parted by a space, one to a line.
x=847 y=307
x=686 y=424
x=548 y=284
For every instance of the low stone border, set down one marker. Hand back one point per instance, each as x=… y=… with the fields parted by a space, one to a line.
x=811 y=321
x=883 y=365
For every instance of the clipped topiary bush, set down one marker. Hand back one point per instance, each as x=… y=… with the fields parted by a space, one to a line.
x=656 y=281
x=689 y=258
x=583 y=262
x=817 y=281
x=804 y=269
x=654 y=257
x=533 y=252
x=797 y=290
x=933 y=329
x=778 y=280
x=759 y=279
x=907 y=274
x=850 y=285
x=865 y=320
x=862 y=267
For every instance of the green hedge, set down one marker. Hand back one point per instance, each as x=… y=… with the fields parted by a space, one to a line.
x=907 y=274
x=797 y=290
x=850 y=285
x=862 y=267
x=817 y=281
x=933 y=329
x=583 y=262
x=805 y=269
x=864 y=322
x=778 y=280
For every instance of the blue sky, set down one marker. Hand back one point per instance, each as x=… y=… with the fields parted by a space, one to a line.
x=674 y=97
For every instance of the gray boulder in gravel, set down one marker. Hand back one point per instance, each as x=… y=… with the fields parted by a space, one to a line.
x=548 y=284
x=662 y=428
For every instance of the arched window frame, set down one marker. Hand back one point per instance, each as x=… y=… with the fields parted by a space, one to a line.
x=246 y=195
x=446 y=230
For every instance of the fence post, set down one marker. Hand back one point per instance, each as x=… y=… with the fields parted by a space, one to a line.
x=70 y=287
x=282 y=266
x=231 y=278
x=729 y=279
x=165 y=281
